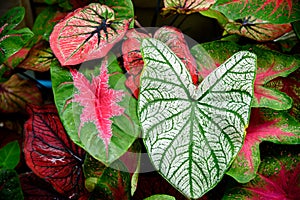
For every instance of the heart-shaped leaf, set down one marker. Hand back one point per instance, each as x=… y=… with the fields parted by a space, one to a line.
x=192 y=133
x=10 y=155
x=16 y=93
x=257 y=29
x=10 y=187
x=270 y=64
x=265 y=125
x=50 y=153
x=278 y=178
x=87 y=33
x=95 y=107
x=186 y=6
x=274 y=11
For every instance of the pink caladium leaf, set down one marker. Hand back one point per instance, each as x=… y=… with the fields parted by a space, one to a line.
x=16 y=93
x=186 y=6
x=257 y=29
x=87 y=33
x=51 y=154
x=277 y=178
x=270 y=64
x=99 y=102
x=133 y=62
x=265 y=125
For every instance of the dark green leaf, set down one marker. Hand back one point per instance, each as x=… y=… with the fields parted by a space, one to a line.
x=11 y=19
x=10 y=187
x=10 y=155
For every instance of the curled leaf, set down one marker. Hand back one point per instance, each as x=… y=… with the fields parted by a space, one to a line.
x=87 y=33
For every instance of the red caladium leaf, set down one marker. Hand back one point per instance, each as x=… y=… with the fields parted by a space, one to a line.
x=16 y=93
x=186 y=6
x=265 y=125
x=50 y=153
x=257 y=29
x=278 y=177
x=134 y=63
x=39 y=58
x=87 y=33
x=99 y=102
x=270 y=64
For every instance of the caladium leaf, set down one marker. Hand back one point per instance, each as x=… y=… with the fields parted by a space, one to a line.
x=192 y=133
x=34 y=187
x=87 y=33
x=160 y=197
x=270 y=64
x=265 y=125
x=16 y=93
x=39 y=58
x=274 y=11
x=109 y=183
x=11 y=40
x=132 y=57
x=10 y=155
x=50 y=153
x=277 y=178
x=96 y=109
x=46 y=20
x=257 y=29
x=10 y=187
x=186 y=6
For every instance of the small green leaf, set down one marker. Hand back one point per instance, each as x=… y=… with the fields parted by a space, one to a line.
x=10 y=155
x=11 y=19
x=160 y=197
x=10 y=187
x=193 y=133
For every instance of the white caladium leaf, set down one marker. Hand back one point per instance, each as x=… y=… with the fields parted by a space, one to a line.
x=193 y=133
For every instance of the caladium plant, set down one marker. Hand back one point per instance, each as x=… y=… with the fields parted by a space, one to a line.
x=192 y=133
x=208 y=116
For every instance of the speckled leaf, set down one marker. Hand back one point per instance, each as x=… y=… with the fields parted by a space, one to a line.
x=10 y=155
x=192 y=133
x=39 y=58
x=87 y=33
x=86 y=100
x=257 y=29
x=11 y=40
x=265 y=125
x=10 y=187
x=277 y=178
x=270 y=65
x=16 y=93
x=274 y=11
x=104 y=182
